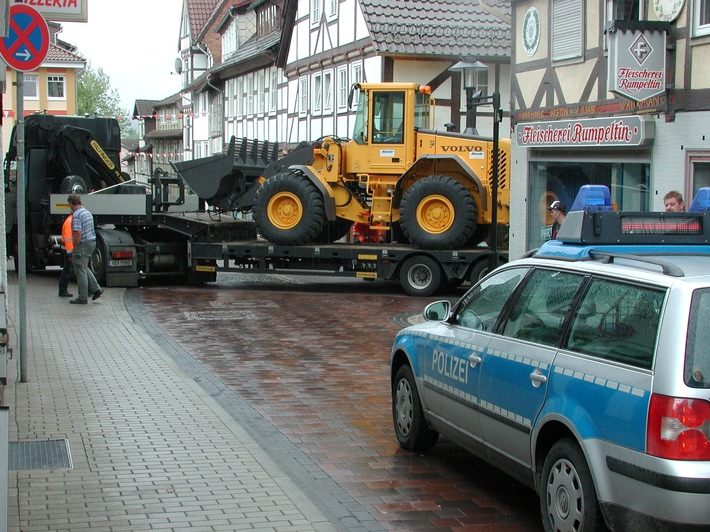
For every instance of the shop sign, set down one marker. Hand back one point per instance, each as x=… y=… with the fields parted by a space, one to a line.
x=637 y=63
x=592 y=132
x=59 y=10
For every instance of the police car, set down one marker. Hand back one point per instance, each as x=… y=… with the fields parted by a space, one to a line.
x=582 y=370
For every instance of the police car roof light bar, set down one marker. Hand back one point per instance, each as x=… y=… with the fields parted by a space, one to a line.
x=701 y=201
x=592 y=198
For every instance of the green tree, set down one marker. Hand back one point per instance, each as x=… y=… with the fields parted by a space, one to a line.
x=95 y=96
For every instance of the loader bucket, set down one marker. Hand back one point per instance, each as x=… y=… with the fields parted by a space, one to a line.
x=222 y=180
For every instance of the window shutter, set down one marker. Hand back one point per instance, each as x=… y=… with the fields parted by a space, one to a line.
x=567 y=29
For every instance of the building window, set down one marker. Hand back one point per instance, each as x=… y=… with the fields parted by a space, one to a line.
x=302 y=95
x=567 y=29
x=55 y=87
x=162 y=118
x=250 y=95
x=356 y=77
x=331 y=7
x=699 y=176
x=30 y=87
x=317 y=91
x=623 y=10
x=628 y=183
x=238 y=97
x=701 y=17
x=261 y=95
x=343 y=89
x=328 y=91
x=315 y=12
x=273 y=90
x=266 y=20
x=230 y=43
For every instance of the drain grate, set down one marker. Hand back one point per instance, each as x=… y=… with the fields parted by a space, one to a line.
x=48 y=454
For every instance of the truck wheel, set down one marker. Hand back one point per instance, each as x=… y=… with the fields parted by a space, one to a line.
x=73 y=184
x=568 y=500
x=98 y=261
x=421 y=276
x=289 y=210
x=438 y=212
x=483 y=268
x=333 y=231
x=410 y=426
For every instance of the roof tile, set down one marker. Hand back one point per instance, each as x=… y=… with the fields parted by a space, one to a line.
x=442 y=27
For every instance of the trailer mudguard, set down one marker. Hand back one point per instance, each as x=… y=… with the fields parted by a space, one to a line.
x=328 y=200
x=465 y=170
x=110 y=271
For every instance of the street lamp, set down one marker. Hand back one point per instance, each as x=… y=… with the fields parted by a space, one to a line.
x=469 y=69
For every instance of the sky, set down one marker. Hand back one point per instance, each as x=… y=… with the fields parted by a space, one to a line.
x=135 y=42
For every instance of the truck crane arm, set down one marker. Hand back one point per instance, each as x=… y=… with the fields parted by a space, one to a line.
x=77 y=151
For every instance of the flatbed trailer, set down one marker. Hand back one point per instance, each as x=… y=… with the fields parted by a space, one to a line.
x=420 y=272
x=135 y=241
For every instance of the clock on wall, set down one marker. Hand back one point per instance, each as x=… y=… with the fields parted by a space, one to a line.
x=668 y=10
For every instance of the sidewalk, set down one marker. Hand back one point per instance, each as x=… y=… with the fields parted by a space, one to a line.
x=148 y=448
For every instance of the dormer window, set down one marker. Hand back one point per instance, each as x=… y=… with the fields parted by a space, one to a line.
x=267 y=20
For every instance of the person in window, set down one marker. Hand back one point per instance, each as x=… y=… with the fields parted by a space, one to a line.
x=558 y=211
x=673 y=202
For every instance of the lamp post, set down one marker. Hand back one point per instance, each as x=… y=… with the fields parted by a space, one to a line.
x=469 y=69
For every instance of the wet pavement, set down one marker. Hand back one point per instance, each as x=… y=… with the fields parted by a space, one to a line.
x=303 y=365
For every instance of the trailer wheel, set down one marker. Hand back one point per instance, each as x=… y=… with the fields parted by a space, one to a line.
x=421 y=276
x=98 y=261
x=483 y=268
x=289 y=210
x=438 y=212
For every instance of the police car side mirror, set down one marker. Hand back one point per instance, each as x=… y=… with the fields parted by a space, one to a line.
x=437 y=311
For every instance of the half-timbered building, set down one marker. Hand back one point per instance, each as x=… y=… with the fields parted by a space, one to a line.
x=611 y=92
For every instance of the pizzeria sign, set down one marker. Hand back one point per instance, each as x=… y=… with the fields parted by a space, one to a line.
x=593 y=132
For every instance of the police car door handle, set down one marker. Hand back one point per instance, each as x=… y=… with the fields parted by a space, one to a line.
x=474 y=360
x=537 y=378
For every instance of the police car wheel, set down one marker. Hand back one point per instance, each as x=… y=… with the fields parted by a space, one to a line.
x=568 y=500
x=410 y=426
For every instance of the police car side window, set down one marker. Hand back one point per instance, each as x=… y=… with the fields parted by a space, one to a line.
x=539 y=313
x=481 y=306
x=697 y=354
x=617 y=321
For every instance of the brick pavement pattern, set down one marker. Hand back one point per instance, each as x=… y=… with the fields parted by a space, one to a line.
x=150 y=448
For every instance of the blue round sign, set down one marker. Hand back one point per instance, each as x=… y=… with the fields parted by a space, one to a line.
x=26 y=46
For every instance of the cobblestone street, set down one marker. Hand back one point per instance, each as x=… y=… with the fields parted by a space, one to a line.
x=310 y=360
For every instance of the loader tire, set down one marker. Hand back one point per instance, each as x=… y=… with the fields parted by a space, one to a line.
x=438 y=212
x=289 y=210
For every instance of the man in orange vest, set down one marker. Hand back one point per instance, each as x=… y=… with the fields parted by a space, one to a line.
x=67 y=247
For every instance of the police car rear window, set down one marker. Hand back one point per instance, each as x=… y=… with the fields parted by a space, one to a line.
x=617 y=321
x=697 y=354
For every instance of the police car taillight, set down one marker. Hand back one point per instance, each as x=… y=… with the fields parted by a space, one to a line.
x=678 y=428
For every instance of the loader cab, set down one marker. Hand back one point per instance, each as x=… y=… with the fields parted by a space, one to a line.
x=385 y=122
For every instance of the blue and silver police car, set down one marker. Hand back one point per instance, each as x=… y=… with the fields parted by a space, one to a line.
x=582 y=370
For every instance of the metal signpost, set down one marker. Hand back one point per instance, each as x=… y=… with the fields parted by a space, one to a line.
x=24 y=49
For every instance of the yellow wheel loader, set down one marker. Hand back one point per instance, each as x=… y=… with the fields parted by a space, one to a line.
x=432 y=189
